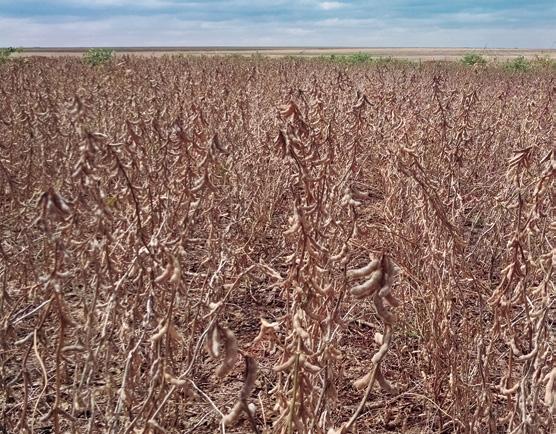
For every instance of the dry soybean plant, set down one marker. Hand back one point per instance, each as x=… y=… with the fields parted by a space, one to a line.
x=208 y=245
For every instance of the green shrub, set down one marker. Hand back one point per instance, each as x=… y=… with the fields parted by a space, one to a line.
x=473 y=59
x=5 y=53
x=359 y=58
x=257 y=57
x=98 y=56
x=519 y=64
x=543 y=62
x=355 y=58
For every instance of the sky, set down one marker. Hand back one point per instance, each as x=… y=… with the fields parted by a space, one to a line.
x=343 y=23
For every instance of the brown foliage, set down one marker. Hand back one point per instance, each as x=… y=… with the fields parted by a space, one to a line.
x=164 y=220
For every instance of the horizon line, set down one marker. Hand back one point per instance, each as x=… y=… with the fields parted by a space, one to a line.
x=272 y=47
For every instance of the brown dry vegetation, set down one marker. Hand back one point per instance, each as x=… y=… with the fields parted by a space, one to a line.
x=209 y=245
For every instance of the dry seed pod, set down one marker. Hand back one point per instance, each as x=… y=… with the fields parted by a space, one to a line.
x=198 y=184
x=281 y=141
x=213 y=342
x=384 y=347
x=63 y=274
x=369 y=287
x=384 y=314
x=341 y=254
x=314 y=252
x=510 y=391
x=391 y=269
x=231 y=352
x=79 y=404
x=550 y=390
x=166 y=274
x=246 y=390
x=384 y=383
x=295 y=223
x=161 y=332
x=298 y=328
x=289 y=111
x=59 y=202
x=321 y=270
x=193 y=206
x=363 y=271
x=386 y=288
x=392 y=301
x=173 y=380
x=175 y=335
x=327 y=290
x=176 y=272
x=334 y=353
x=357 y=194
x=287 y=364
x=362 y=382
x=233 y=415
x=289 y=259
x=71 y=348
x=331 y=392
x=314 y=369
x=513 y=346
x=250 y=377
x=266 y=328
x=348 y=200
x=215 y=144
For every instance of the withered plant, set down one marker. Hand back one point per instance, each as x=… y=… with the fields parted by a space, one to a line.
x=201 y=245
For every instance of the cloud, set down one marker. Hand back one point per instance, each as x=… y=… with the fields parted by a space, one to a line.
x=329 y=6
x=123 y=3
x=360 y=23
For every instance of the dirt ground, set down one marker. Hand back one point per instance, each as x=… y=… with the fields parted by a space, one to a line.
x=401 y=53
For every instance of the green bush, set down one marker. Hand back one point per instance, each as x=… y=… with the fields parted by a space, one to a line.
x=359 y=58
x=519 y=64
x=5 y=53
x=473 y=59
x=98 y=56
x=543 y=62
x=354 y=59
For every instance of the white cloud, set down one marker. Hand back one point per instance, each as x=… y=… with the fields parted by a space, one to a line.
x=329 y=6
x=469 y=17
x=171 y=30
x=297 y=31
x=148 y=4
x=350 y=23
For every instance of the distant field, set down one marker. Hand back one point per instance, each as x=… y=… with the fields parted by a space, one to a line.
x=401 y=53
